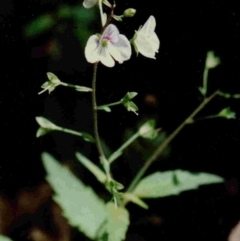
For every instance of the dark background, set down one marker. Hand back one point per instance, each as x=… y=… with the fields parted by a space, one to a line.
x=167 y=91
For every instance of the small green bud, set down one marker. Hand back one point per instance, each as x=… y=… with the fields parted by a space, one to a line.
x=130 y=12
x=51 y=84
x=227 y=113
x=212 y=60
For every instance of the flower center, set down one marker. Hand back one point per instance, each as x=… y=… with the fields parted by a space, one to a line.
x=104 y=42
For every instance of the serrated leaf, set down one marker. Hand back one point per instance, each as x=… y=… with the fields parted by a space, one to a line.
x=80 y=205
x=135 y=199
x=162 y=184
x=94 y=169
x=117 y=222
x=5 y=238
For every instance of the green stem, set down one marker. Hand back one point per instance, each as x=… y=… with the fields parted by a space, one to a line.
x=205 y=80
x=119 y=151
x=111 y=104
x=101 y=11
x=94 y=109
x=77 y=87
x=162 y=147
x=70 y=131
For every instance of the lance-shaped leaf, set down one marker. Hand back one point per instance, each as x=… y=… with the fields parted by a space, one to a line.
x=162 y=184
x=135 y=199
x=94 y=169
x=80 y=204
x=46 y=126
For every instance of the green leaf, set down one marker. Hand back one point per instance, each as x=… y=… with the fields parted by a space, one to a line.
x=105 y=108
x=162 y=184
x=129 y=96
x=45 y=123
x=117 y=222
x=227 y=113
x=4 y=238
x=53 y=78
x=83 y=89
x=94 y=169
x=87 y=137
x=135 y=199
x=131 y=107
x=80 y=204
x=39 y=25
x=41 y=132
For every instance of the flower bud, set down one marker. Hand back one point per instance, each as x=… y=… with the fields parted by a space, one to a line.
x=130 y=12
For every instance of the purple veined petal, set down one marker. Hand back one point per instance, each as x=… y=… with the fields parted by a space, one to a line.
x=149 y=27
x=111 y=33
x=92 y=49
x=122 y=48
x=106 y=58
x=89 y=3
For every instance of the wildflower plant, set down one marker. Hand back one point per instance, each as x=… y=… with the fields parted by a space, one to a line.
x=81 y=205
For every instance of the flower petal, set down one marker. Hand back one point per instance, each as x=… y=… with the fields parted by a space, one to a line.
x=145 y=46
x=89 y=3
x=121 y=51
x=111 y=33
x=92 y=49
x=145 y=40
x=149 y=27
x=106 y=58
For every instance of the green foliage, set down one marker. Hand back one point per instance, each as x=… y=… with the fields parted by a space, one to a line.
x=80 y=205
x=130 y=105
x=147 y=130
x=227 y=113
x=135 y=199
x=47 y=126
x=39 y=25
x=161 y=184
x=94 y=169
x=4 y=238
x=117 y=222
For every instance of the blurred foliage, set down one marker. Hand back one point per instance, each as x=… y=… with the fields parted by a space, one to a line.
x=57 y=21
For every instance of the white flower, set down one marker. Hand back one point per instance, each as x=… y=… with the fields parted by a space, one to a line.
x=109 y=45
x=145 y=40
x=89 y=3
x=92 y=3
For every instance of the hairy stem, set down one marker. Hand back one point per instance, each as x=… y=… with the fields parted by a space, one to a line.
x=94 y=109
